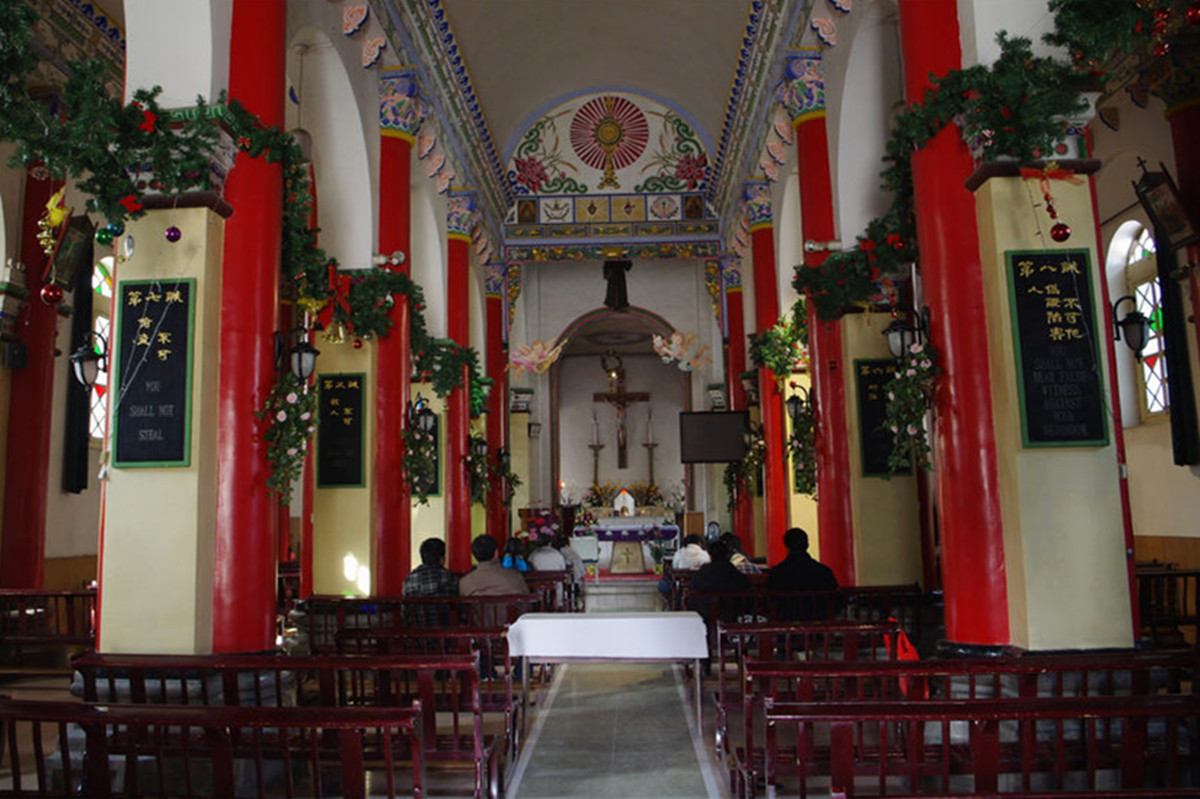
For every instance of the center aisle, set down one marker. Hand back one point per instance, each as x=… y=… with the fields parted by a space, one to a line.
x=619 y=731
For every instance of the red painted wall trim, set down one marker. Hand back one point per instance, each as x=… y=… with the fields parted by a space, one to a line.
x=973 y=566
x=835 y=511
x=244 y=566
x=735 y=364
x=458 y=417
x=497 y=414
x=766 y=308
x=392 y=515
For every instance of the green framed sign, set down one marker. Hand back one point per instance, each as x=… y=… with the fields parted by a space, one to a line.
x=340 y=430
x=871 y=376
x=152 y=374
x=1057 y=356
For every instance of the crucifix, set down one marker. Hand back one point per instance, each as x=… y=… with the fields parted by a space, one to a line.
x=620 y=399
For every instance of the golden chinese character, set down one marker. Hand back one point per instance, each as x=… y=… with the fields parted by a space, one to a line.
x=352 y=384
x=326 y=384
x=1072 y=302
x=1070 y=268
x=347 y=421
x=144 y=322
x=1047 y=268
x=175 y=295
x=1057 y=334
x=153 y=296
x=1054 y=317
x=865 y=369
x=163 y=353
x=1073 y=317
x=1025 y=268
x=142 y=340
x=135 y=297
x=348 y=411
x=340 y=384
x=1034 y=290
x=335 y=401
x=1074 y=333
x=164 y=337
x=1053 y=288
x=1053 y=302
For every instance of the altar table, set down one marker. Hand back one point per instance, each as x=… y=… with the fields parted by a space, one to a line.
x=567 y=637
x=629 y=537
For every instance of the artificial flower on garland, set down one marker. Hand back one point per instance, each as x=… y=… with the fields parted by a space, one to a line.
x=290 y=410
x=477 y=470
x=420 y=462
x=779 y=348
x=500 y=473
x=747 y=470
x=908 y=396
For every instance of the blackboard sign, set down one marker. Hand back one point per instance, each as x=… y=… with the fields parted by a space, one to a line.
x=1054 y=337
x=340 y=431
x=871 y=376
x=153 y=374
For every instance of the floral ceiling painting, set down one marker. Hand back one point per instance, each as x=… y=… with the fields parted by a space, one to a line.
x=609 y=143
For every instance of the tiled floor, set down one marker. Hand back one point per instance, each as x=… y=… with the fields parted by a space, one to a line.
x=616 y=730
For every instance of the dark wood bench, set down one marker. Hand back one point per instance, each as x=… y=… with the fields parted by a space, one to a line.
x=33 y=618
x=448 y=684
x=326 y=616
x=171 y=750
x=1025 y=747
x=1169 y=605
x=557 y=589
x=1132 y=675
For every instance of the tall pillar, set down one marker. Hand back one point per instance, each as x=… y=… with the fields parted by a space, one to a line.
x=244 y=568
x=835 y=517
x=766 y=311
x=27 y=450
x=460 y=218
x=735 y=364
x=973 y=562
x=400 y=115
x=495 y=284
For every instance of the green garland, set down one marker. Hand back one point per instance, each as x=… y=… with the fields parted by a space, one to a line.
x=500 y=473
x=779 y=348
x=478 y=473
x=291 y=410
x=909 y=394
x=802 y=446
x=749 y=468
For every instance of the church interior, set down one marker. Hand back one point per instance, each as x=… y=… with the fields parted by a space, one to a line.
x=292 y=287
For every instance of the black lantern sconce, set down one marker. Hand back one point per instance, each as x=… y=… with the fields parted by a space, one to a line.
x=421 y=416
x=90 y=360
x=479 y=448
x=301 y=355
x=1135 y=325
x=901 y=334
x=503 y=459
x=798 y=403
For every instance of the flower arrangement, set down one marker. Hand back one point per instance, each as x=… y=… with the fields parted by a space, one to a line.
x=908 y=396
x=802 y=446
x=645 y=494
x=290 y=410
x=420 y=462
x=601 y=495
x=541 y=527
x=477 y=469
x=742 y=473
x=779 y=348
x=585 y=518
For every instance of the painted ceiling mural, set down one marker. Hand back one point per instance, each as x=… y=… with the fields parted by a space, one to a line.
x=609 y=143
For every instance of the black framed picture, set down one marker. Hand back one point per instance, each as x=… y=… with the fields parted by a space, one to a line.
x=1157 y=193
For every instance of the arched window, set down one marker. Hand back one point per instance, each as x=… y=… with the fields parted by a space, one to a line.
x=101 y=323
x=1141 y=275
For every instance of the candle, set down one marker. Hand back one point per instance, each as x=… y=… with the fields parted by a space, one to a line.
x=595 y=430
x=650 y=430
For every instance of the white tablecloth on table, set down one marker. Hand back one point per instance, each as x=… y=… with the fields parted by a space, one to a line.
x=609 y=636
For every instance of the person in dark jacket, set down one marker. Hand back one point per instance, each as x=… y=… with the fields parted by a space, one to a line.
x=800 y=571
x=719 y=575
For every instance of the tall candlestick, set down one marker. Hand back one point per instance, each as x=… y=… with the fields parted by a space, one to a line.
x=595 y=430
x=650 y=430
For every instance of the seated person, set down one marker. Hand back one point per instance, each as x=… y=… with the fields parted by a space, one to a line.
x=691 y=555
x=736 y=556
x=719 y=575
x=547 y=559
x=513 y=558
x=572 y=558
x=488 y=577
x=431 y=578
x=800 y=571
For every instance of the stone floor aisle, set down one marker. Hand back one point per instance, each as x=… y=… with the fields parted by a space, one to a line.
x=619 y=731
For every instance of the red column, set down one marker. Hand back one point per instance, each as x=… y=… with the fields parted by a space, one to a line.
x=244 y=567
x=976 y=596
x=399 y=118
x=458 y=410
x=835 y=525
x=497 y=409
x=766 y=308
x=27 y=453
x=735 y=364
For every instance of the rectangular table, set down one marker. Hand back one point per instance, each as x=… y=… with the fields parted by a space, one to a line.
x=567 y=637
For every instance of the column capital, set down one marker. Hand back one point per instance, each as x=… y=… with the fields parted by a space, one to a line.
x=731 y=273
x=714 y=283
x=495 y=279
x=401 y=110
x=757 y=194
x=1175 y=79
x=512 y=279
x=460 y=213
x=802 y=91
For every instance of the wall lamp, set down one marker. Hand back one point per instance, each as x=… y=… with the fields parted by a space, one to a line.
x=301 y=355
x=421 y=416
x=797 y=403
x=479 y=448
x=90 y=359
x=395 y=259
x=822 y=246
x=901 y=334
x=1135 y=324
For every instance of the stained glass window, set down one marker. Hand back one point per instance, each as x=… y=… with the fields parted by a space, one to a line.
x=1141 y=272
x=102 y=285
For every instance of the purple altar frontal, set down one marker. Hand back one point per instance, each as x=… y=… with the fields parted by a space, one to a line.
x=631 y=532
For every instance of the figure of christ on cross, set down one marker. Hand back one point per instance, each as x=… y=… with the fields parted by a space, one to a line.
x=620 y=399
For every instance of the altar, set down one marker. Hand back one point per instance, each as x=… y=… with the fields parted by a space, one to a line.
x=625 y=541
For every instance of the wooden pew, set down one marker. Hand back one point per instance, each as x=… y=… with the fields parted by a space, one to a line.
x=326 y=616
x=1041 y=747
x=33 y=618
x=556 y=588
x=169 y=750
x=488 y=644
x=1031 y=677
x=1169 y=605
x=447 y=684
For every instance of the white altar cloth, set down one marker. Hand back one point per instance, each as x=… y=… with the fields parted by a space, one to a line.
x=564 y=637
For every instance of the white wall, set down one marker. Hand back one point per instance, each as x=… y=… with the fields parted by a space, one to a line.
x=182 y=46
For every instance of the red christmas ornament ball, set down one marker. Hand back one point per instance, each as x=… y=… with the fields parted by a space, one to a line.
x=358 y=343
x=1192 y=15
x=52 y=294
x=1161 y=49
x=1060 y=232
